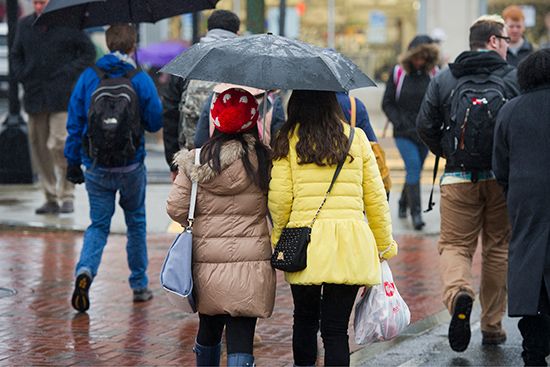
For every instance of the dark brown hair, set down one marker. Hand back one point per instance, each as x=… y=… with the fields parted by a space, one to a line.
x=321 y=138
x=483 y=28
x=210 y=153
x=121 y=37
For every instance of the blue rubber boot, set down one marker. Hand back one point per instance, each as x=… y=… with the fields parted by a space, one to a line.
x=207 y=356
x=240 y=360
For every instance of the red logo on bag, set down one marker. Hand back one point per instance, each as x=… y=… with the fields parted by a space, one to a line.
x=389 y=288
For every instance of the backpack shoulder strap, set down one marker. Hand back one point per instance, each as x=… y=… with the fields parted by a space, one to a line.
x=398 y=78
x=353 y=112
x=131 y=73
x=100 y=73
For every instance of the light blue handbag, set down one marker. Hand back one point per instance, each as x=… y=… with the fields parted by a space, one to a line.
x=176 y=276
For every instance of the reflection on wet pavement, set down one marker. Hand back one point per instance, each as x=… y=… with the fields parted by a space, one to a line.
x=39 y=327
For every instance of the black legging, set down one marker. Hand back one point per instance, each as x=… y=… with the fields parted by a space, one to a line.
x=333 y=310
x=239 y=333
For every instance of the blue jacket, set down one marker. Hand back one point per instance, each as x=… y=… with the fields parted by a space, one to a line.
x=362 y=120
x=77 y=122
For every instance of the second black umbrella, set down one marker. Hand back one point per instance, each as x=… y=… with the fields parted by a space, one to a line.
x=93 y=13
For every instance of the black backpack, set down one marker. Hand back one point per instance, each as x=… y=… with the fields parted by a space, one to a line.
x=114 y=123
x=468 y=132
x=468 y=135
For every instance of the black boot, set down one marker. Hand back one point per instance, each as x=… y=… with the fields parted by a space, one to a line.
x=402 y=213
x=534 y=330
x=413 y=201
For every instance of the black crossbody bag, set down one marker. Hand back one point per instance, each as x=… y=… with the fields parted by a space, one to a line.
x=290 y=253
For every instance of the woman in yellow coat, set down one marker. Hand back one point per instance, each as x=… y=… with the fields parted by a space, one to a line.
x=345 y=251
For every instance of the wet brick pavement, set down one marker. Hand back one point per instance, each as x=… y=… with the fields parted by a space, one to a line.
x=39 y=327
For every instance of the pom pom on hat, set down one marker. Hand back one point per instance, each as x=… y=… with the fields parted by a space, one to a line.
x=234 y=111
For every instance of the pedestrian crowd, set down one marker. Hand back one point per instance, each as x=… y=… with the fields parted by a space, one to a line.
x=262 y=171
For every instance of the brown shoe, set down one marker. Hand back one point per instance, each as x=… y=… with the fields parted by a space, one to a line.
x=50 y=207
x=493 y=338
x=67 y=207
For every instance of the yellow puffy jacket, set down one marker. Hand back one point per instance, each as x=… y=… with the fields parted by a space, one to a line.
x=344 y=248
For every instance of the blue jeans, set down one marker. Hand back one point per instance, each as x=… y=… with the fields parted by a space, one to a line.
x=413 y=155
x=102 y=186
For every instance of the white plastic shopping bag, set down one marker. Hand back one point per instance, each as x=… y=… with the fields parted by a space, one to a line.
x=381 y=314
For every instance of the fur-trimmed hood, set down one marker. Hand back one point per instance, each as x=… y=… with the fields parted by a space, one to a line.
x=233 y=177
x=428 y=51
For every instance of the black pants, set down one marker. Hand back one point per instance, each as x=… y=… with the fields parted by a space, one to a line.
x=332 y=309
x=239 y=334
x=535 y=331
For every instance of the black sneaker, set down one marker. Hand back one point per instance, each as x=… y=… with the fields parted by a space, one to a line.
x=67 y=207
x=459 y=329
x=49 y=207
x=80 y=300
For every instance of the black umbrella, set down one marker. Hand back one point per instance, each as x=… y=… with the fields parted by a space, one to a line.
x=92 y=13
x=268 y=61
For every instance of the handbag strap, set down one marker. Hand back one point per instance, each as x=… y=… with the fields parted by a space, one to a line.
x=194 y=187
x=335 y=176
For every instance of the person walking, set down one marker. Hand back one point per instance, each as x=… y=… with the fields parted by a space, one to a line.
x=403 y=96
x=344 y=252
x=48 y=61
x=234 y=283
x=183 y=100
x=518 y=48
x=456 y=121
x=521 y=143
x=355 y=113
x=113 y=160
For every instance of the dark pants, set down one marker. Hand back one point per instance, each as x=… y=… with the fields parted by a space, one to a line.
x=535 y=331
x=239 y=334
x=332 y=309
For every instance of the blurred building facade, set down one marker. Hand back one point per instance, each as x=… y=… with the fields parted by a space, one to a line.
x=371 y=32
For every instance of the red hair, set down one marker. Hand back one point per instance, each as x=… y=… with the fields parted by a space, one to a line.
x=513 y=12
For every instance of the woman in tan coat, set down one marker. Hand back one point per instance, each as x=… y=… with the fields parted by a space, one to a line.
x=233 y=279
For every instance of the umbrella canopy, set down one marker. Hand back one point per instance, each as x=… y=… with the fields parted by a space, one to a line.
x=268 y=61
x=160 y=54
x=92 y=13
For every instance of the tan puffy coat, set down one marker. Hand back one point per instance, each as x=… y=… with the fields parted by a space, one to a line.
x=231 y=248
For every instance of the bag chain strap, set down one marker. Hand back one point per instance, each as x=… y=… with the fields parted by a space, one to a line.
x=336 y=173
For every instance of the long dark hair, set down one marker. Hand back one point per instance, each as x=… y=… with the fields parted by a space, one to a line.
x=321 y=135
x=210 y=154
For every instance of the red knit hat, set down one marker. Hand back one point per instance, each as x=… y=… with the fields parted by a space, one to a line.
x=234 y=111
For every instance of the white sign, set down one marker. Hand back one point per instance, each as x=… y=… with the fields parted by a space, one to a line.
x=376 y=33
x=530 y=14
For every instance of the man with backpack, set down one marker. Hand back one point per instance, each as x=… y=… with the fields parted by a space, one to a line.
x=183 y=101
x=111 y=105
x=456 y=121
